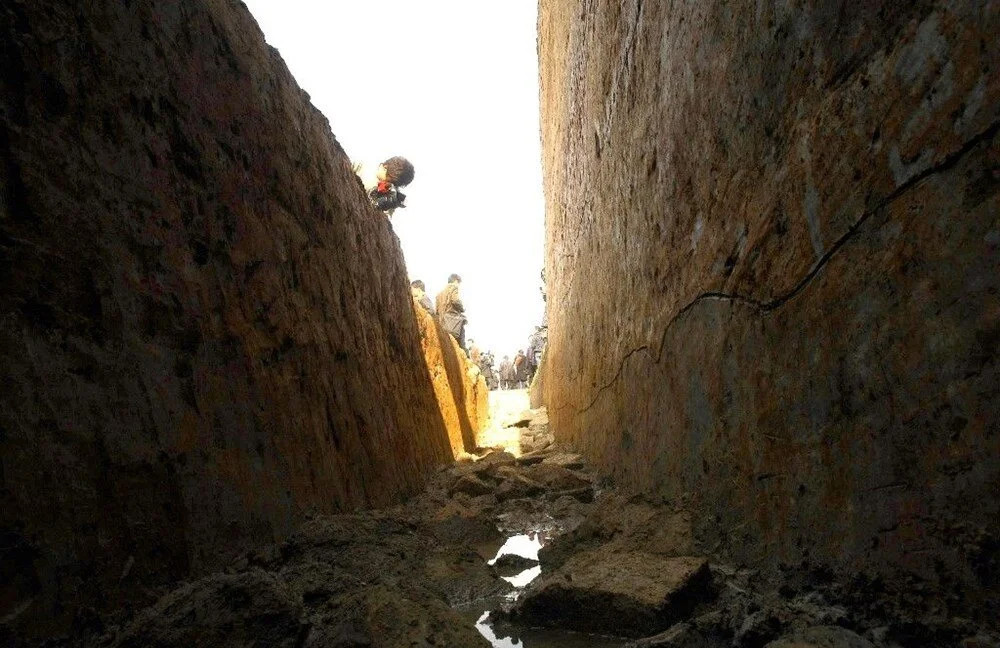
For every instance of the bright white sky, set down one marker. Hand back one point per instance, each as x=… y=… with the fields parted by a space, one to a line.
x=453 y=86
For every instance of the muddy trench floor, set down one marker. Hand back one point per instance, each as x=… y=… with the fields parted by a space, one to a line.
x=518 y=545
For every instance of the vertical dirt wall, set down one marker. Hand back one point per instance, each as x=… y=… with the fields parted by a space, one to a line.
x=461 y=390
x=206 y=333
x=773 y=261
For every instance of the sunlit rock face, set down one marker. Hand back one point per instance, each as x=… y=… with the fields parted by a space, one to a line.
x=206 y=333
x=461 y=391
x=772 y=257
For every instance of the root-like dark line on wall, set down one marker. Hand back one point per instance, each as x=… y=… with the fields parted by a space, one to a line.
x=772 y=305
x=946 y=164
x=614 y=379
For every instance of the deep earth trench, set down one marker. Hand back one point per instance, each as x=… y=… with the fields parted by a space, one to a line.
x=766 y=415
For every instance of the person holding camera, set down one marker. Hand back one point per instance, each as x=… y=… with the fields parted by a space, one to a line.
x=382 y=183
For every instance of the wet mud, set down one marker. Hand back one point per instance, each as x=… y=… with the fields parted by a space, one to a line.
x=521 y=545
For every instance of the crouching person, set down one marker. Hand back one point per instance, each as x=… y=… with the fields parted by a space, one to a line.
x=382 y=183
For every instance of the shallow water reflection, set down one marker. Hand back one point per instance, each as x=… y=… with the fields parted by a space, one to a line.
x=497 y=642
x=504 y=635
x=525 y=577
x=525 y=545
x=507 y=636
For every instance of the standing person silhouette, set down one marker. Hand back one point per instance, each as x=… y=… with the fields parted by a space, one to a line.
x=451 y=311
x=506 y=371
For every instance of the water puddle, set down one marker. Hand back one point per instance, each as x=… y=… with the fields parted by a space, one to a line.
x=487 y=631
x=503 y=635
x=507 y=636
x=525 y=577
x=525 y=545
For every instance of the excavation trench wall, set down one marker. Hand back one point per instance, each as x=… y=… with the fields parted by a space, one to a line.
x=460 y=389
x=773 y=261
x=206 y=333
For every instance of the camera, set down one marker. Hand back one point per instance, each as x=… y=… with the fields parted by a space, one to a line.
x=390 y=200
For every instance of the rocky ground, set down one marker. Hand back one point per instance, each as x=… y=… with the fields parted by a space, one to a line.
x=614 y=571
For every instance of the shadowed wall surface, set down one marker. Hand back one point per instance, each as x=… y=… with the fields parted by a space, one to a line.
x=206 y=333
x=773 y=261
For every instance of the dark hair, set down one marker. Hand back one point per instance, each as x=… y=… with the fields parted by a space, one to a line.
x=398 y=171
x=454 y=277
x=418 y=284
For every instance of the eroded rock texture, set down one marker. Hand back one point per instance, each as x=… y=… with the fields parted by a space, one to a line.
x=205 y=331
x=773 y=256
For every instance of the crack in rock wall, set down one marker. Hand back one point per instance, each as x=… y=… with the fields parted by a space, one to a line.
x=772 y=252
x=206 y=333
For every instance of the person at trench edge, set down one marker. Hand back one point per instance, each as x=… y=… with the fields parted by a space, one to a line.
x=451 y=311
x=383 y=185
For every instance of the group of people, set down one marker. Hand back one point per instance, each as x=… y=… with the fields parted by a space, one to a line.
x=382 y=184
x=516 y=373
x=484 y=360
x=519 y=372
x=447 y=306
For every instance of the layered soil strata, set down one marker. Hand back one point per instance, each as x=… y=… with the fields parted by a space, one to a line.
x=206 y=332
x=772 y=274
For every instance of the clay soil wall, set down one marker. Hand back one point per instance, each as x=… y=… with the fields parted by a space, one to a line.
x=461 y=390
x=206 y=333
x=773 y=262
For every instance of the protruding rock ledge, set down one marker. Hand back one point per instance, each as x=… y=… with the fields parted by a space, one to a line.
x=629 y=593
